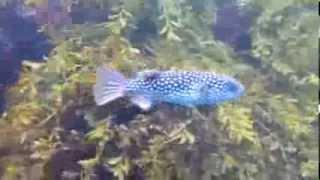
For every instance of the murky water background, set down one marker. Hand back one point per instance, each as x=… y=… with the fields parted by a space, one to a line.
x=51 y=128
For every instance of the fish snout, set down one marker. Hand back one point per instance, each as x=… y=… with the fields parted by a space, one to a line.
x=234 y=88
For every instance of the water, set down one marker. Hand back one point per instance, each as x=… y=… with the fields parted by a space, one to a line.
x=51 y=128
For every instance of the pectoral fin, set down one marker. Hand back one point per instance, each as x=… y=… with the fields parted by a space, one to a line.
x=141 y=101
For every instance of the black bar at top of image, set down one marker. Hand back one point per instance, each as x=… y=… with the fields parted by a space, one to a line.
x=319 y=8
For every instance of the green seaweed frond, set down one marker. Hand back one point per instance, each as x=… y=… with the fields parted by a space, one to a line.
x=171 y=14
x=310 y=169
x=287 y=112
x=119 y=21
x=239 y=123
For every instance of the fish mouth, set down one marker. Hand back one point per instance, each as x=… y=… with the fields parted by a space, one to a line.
x=241 y=89
x=235 y=87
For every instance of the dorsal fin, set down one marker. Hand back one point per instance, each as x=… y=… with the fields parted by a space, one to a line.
x=149 y=75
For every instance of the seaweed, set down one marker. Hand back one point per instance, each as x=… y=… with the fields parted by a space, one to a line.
x=269 y=133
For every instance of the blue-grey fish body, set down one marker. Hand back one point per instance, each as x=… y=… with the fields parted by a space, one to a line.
x=177 y=87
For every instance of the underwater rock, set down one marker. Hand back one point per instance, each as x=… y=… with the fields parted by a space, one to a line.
x=18 y=44
x=233 y=26
x=25 y=42
x=64 y=162
x=145 y=29
x=137 y=174
x=63 y=165
x=71 y=120
x=125 y=114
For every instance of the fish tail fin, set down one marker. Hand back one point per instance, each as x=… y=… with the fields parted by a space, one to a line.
x=110 y=85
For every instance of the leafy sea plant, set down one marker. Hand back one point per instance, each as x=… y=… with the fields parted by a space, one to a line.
x=239 y=124
x=171 y=14
x=267 y=134
x=287 y=39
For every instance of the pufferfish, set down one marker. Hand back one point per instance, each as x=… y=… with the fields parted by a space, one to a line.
x=183 y=88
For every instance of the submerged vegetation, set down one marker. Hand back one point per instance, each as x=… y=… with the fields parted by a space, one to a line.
x=52 y=128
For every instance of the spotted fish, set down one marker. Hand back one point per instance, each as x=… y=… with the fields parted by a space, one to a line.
x=184 y=88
